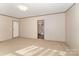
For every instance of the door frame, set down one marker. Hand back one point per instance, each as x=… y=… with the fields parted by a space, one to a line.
x=37 y=28
x=13 y=29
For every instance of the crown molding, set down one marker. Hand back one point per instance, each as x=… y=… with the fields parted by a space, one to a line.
x=9 y=16
x=42 y=15
x=70 y=7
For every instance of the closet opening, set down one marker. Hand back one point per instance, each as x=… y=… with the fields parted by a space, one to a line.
x=40 y=27
x=15 y=29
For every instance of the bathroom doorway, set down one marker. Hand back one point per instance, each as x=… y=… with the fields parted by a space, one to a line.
x=40 y=26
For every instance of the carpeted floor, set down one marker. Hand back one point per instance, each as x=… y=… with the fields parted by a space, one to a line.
x=34 y=47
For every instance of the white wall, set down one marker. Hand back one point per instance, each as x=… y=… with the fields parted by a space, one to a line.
x=54 y=27
x=28 y=28
x=72 y=27
x=5 y=27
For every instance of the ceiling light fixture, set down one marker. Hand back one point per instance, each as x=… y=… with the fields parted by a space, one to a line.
x=22 y=8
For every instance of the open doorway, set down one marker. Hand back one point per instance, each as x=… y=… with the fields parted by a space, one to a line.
x=15 y=30
x=40 y=26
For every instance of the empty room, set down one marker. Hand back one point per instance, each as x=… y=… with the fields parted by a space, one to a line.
x=39 y=29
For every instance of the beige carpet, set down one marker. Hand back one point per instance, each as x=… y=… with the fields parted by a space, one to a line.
x=39 y=51
x=34 y=47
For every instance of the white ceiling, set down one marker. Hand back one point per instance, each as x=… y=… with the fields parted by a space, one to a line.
x=11 y=9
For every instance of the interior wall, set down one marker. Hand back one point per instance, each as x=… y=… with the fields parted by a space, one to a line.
x=28 y=28
x=5 y=27
x=72 y=27
x=54 y=27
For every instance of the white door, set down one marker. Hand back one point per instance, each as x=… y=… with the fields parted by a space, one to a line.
x=15 y=29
